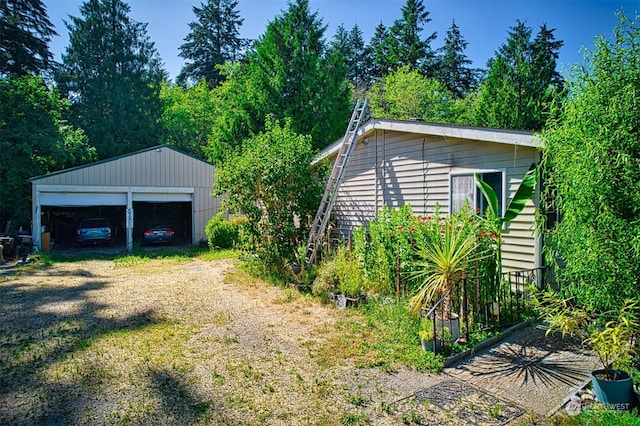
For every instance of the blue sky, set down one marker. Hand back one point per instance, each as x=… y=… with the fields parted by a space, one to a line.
x=483 y=23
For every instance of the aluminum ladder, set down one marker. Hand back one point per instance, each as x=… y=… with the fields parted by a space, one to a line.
x=321 y=220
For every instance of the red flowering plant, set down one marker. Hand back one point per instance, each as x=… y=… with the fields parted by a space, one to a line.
x=384 y=249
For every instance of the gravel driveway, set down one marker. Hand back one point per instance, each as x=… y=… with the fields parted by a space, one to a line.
x=188 y=341
x=175 y=341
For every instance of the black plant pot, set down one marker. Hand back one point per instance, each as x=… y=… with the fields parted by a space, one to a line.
x=617 y=392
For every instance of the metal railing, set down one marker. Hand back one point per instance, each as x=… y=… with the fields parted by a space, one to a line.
x=485 y=303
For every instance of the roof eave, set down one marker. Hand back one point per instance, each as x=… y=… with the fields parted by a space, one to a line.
x=509 y=137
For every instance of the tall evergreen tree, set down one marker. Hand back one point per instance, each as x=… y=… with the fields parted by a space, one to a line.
x=521 y=82
x=25 y=33
x=359 y=69
x=213 y=40
x=298 y=78
x=545 y=56
x=356 y=56
x=112 y=75
x=340 y=42
x=453 y=70
x=378 y=49
x=407 y=47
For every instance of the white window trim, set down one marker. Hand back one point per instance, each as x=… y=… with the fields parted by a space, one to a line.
x=503 y=172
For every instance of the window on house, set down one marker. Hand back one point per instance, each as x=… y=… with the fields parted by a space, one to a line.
x=463 y=189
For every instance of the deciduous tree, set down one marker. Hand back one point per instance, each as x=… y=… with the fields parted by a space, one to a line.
x=268 y=180
x=406 y=93
x=187 y=117
x=34 y=140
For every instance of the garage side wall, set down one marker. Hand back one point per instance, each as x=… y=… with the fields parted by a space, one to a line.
x=392 y=169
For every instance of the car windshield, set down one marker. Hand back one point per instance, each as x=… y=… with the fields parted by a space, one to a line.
x=93 y=223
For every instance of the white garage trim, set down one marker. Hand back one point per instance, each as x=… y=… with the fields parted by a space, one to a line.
x=161 y=198
x=82 y=199
x=122 y=189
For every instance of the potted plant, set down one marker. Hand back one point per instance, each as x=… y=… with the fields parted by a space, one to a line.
x=613 y=345
x=428 y=339
x=444 y=248
x=301 y=259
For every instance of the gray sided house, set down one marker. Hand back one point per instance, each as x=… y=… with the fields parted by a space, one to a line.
x=158 y=185
x=423 y=164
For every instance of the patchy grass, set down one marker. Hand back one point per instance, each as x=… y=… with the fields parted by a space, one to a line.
x=209 y=255
x=157 y=339
x=597 y=416
x=191 y=339
x=379 y=335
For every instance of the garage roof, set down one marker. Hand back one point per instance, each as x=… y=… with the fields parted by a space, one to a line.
x=156 y=166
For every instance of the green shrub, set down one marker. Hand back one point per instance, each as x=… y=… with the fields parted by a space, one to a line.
x=351 y=280
x=384 y=249
x=327 y=280
x=221 y=233
x=596 y=142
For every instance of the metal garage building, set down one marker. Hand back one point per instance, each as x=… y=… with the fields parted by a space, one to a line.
x=134 y=191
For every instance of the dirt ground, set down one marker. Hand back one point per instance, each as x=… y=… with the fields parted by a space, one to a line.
x=187 y=341
x=181 y=342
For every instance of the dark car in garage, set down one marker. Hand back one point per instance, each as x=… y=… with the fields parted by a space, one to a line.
x=94 y=231
x=158 y=234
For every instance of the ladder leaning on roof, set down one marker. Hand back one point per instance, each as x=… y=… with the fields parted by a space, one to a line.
x=335 y=179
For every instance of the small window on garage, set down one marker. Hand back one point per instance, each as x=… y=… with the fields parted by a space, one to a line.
x=463 y=188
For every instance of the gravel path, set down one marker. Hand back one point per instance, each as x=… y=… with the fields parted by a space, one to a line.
x=182 y=342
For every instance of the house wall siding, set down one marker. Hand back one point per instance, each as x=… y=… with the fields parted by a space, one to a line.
x=395 y=168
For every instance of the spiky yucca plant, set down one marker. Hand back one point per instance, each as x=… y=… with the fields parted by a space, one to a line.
x=445 y=248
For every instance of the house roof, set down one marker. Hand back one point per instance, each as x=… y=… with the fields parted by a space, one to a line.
x=108 y=160
x=510 y=137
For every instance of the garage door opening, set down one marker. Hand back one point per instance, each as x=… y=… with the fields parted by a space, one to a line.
x=176 y=215
x=62 y=222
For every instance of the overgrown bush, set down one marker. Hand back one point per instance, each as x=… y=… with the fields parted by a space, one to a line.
x=269 y=182
x=221 y=233
x=327 y=280
x=350 y=278
x=384 y=249
x=592 y=154
x=387 y=248
x=340 y=273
